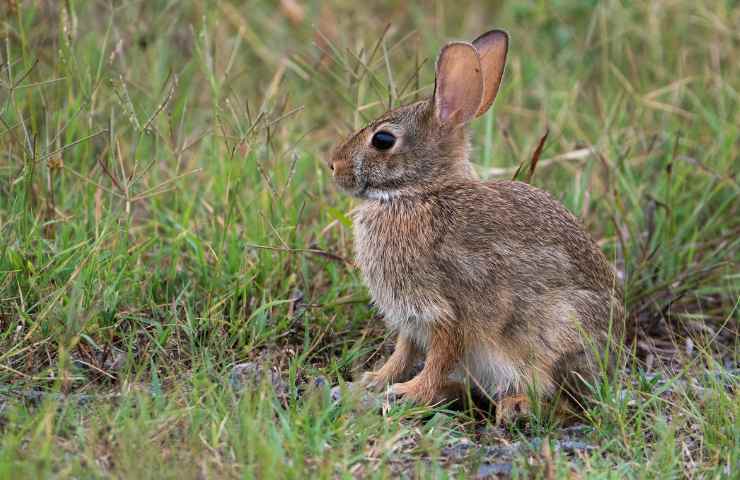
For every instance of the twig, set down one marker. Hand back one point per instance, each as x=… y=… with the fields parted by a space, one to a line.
x=313 y=251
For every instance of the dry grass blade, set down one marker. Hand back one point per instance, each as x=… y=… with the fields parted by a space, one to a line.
x=72 y=144
x=534 y=161
x=536 y=155
x=312 y=251
x=162 y=105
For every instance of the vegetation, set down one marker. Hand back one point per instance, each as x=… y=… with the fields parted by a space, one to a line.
x=176 y=289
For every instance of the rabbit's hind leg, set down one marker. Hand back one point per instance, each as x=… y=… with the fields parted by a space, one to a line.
x=590 y=354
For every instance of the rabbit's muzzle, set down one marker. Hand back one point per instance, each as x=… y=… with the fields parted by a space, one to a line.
x=343 y=171
x=340 y=168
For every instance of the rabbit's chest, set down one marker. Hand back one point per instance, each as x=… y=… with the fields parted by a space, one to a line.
x=393 y=251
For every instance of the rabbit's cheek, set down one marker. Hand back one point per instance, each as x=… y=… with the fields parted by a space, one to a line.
x=390 y=174
x=395 y=170
x=344 y=179
x=375 y=175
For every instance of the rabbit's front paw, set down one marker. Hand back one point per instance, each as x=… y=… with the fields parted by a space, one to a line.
x=375 y=381
x=418 y=391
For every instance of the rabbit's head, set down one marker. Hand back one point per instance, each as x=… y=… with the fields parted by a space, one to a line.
x=422 y=145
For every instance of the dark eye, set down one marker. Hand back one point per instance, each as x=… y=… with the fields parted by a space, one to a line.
x=383 y=140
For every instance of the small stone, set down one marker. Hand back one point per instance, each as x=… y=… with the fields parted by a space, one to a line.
x=336 y=394
x=503 y=451
x=320 y=382
x=250 y=375
x=366 y=400
x=459 y=450
x=494 y=470
x=578 y=429
x=575 y=446
x=297 y=306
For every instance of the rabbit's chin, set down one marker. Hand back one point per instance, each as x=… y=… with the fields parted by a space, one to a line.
x=366 y=192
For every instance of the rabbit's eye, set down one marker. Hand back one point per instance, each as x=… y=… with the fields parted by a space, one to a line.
x=383 y=140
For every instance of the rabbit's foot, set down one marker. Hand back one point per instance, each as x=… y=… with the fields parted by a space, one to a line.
x=511 y=408
x=414 y=390
x=397 y=368
x=376 y=381
x=423 y=392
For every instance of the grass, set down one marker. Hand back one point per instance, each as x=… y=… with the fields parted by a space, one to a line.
x=166 y=215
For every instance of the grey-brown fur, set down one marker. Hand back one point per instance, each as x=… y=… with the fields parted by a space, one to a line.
x=496 y=283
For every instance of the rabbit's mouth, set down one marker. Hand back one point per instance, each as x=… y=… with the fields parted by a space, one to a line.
x=351 y=185
x=364 y=191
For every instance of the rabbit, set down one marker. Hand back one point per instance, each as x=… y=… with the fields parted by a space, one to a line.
x=494 y=284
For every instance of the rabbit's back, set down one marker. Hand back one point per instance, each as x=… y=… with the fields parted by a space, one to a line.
x=525 y=236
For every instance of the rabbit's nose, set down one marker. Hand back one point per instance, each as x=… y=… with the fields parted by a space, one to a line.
x=330 y=163
x=338 y=166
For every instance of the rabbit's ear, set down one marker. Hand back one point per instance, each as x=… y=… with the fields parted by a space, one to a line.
x=459 y=84
x=492 y=47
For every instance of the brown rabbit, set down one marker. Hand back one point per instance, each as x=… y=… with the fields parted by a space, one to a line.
x=495 y=282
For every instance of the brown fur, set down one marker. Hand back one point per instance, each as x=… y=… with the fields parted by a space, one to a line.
x=495 y=282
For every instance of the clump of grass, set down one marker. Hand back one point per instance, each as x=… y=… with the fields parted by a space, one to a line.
x=165 y=214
